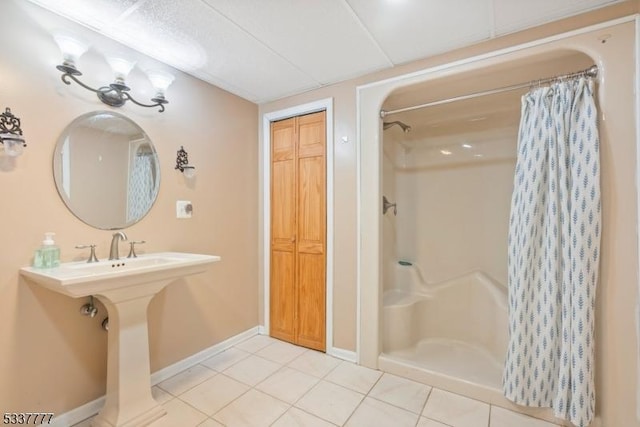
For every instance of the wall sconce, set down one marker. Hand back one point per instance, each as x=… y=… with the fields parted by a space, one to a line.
x=182 y=164
x=11 y=134
x=117 y=93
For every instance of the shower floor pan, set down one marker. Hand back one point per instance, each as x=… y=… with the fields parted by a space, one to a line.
x=452 y=358
x=452 y=330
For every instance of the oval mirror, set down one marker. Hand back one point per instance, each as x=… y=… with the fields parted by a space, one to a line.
x=106 y=170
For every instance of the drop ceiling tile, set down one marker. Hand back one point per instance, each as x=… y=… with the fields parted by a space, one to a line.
x=95 y=13
x=323 y=38
x=515 y=15
x=193 y=37
x=263 y=50
x=413 y=29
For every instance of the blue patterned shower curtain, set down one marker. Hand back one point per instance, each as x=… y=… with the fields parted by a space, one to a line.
x=141 y=192
x=554 y=244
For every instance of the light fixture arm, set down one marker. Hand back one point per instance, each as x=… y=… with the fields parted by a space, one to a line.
x=158 y=102
x=114 y=95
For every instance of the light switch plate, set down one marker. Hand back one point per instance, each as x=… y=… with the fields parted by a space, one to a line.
x=184 y=209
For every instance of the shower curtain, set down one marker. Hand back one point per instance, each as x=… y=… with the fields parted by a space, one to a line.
x=141 y=187
x=554 y=243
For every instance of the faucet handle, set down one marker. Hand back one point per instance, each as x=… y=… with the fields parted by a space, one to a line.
x=132 y=248
x=92 y=256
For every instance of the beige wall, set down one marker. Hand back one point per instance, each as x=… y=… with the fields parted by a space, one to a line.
x=53 y=359
x=345 y=166
x=108 y=174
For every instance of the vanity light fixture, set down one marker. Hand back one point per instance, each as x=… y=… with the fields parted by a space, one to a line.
x=117 y=93
x=182 y=164
x=11 y=134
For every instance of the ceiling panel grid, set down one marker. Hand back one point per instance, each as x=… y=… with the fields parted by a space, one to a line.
x=263 y=50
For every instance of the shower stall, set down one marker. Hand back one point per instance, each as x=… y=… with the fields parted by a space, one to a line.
x=435 y=307
x=444 y=299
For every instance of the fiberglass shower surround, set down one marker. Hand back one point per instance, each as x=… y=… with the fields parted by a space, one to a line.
x=549 y=356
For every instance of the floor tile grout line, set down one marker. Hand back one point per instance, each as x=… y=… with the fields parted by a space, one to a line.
x=229 y=403
x=233 y=363
x=489 y=417
x=366 y=393
x=424 y=405
x=192 y=407
x=315 y=376
x=286 y=344
x=376 y=383
x=282 y=414
x=282 y=366
x=354 y=410
x=251 y=385
x=306 y=392
x=334 y=368
x=269 y=339
x=419 y=414
x=182 y=372
x=313 y=415
x=268 y=360
x=317 y=381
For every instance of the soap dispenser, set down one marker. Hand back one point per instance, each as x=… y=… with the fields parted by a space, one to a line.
x=48 y=255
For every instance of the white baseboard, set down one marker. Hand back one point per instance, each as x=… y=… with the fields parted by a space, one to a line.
x=78 y=414
x=262 y=330
x=89 y=409
x=340 y=353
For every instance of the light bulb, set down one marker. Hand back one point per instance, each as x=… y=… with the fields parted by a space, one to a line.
x=71 y=47
x=189 y=171
x=13 y=144
x=121 y=66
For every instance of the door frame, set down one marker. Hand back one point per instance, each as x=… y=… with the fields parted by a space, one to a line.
x=298 y=110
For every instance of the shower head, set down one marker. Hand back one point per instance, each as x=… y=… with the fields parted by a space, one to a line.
x=406 y=128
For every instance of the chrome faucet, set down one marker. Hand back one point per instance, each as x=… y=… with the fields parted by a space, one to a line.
x=113 y=253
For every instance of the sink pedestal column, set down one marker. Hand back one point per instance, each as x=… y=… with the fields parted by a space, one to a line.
x=125 y=288
x=128 y=400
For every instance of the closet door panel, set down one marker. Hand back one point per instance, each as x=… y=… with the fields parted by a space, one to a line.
x=312 y=132
x=282 y=296
x=283 y=212
x=311 y=202
x=311 y=301
x=283 y=140
x=283 y=293
x=311 y=231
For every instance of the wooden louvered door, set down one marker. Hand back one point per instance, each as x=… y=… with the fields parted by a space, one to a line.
x=298 y=230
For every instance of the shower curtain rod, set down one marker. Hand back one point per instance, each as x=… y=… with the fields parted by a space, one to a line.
x=590 y=72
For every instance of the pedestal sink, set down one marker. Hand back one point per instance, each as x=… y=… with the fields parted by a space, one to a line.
x=125 y=287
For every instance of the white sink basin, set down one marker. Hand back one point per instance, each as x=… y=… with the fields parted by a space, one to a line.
x=80 y=279
x=125 y=287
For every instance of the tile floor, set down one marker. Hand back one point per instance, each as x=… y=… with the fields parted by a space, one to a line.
x=266 y=382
